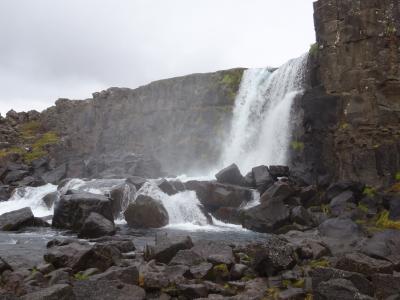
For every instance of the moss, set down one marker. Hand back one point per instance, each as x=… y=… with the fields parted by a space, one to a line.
x=80 y=277
x=313 y=49
x=326 y=209
x=369 y=191
x=344 y=126
x=383 y=221
x=231 y=81
x=38 y=147
x=397 y=176
x=273 y=293
x=320 y=263
x=297 y=146
x=13 y=150
x=248 y=277
x=293 y=283
x=221 y=271
x=309 y=296
x=363 y=208
x=390 y=30
x=395 y=188
x=29 y=130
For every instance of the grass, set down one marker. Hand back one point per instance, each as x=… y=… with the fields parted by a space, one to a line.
x=80 y=277
x=390 y=30
x=294 y=283
x=38 y=147
x=13 y=150
x=231 y=80
x=30 y=130
x=313 y=49
x=384 y=222
x=320 y=263
x=369 y=191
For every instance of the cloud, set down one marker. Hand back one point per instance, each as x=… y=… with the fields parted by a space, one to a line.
x=71 y=48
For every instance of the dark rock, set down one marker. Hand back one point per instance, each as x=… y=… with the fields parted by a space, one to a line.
x=4 y=192
x=165 y=186
x=186 y=257
x=121 y=195
x=54 y=292
x=272 y=257
x=214 y=195
x=279 y=171
x=51 y=199
x=59 y=276
x=262 y=179
x=4 y=266
x=56 y=175
x=308 y=196
x=146 y=212
x=105 y=290
x=301 y=216
x=361 y=263
x=31 y=181
x=320 y=274
x=215 y=252
x=123 y=243
x=337 y=188
x=384 y=245
x=230 y=175
x=278 y=191
x=228 y=215
x=341 y=203
x=178 y=185
x=292 y=293
x=45 y=268
x=193 y=291
x=237 y=271
x=136 y=181
x=165 y=249
x=267 y=217
x=40 y=222
x=338 y=289
x=201 y=270
x=129 y=275
x=71 y=211
x=17 y=219
x=14 y=176
x=386 y=285
x=394 y=209
x=96 y=226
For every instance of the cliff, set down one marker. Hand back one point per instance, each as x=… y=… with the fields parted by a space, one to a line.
x=351 y=112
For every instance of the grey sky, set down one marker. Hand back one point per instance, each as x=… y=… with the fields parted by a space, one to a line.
x=70 y=48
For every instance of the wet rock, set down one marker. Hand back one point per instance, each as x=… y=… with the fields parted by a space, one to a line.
x=266 y=217
x=214 y=252
x=121 y=195
x=361 y=263
x=165 y=248
x=71 y=210
x=386 y=285
x=215 y=195
x=4 y=192
x=123 y=243
x=31 y=181
x=96 y=226
x=129 y=275
x=45 y=268
x=105 y=290
x=136 y=181
x=14 y=176
x=17 y=219
x=146 y=212
x=279 y=191
x=292 y=293
x=228 y=215
x=338 y=289
x=322 y=274
x=394 y=209
x=56 y=175
x=165 y=186
x=384 y=245
x=50 y=199
x=279 y=171
x=262 y=179
x=186 y=257
x=55 y=292
x=230 y=175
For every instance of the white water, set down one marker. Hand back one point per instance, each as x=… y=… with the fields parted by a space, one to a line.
x=261 y=127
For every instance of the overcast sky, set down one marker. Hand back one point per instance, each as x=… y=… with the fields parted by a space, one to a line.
x=52 y=49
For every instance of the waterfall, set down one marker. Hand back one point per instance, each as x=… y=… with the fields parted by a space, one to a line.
x=261 y=128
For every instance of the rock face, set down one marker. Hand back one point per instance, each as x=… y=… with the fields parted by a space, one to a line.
x=349 y=117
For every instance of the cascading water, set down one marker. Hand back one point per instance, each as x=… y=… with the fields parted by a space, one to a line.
x=261 y=130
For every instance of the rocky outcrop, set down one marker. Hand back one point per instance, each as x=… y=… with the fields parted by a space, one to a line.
x=350 y=114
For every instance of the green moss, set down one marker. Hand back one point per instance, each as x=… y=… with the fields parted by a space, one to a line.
x=231 y=81
x=38 y=147
x=320 y=263
x=397 y=176
x=313 y=49
x=369 y=191
x=30 y=130
x=297 y=146
x=80 y=277
x=384 y=222
x=390 y=30
x=309 y=296
x=363 y=208
x=13 y=150
x=326 y=209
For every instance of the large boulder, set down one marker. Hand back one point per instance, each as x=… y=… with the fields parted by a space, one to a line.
x=17 y=219
x=384 y=245
x=342 y=203
x=14 y=176
x=121 y=195
x=337 y=188
x=168 y=188
x=214 y=252
x=56 y=175
x=230 y=175
x=96 y=226
x=266 y=217
x=262 y=178
x=4 y=192
x=387 y=286
x=214 y=195
x=278 y=191
x=361 y=263
x=50 y=199
x=146 y=212
x=71 y=210
x=339 y=289
x=279 y=171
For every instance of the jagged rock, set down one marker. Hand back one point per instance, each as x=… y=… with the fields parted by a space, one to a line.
x=56 y=175
x=59 y=276
x=30 y=181
x=45 y=268
x=361 y=263
x=17 y=219
x=280 y=191
x=386 y=286
x=301 y=216
x=338 y=289
x=384 y=245
x=322 y=274
x=201 y=270
x=214 y=252
x=55 y=292
x=167 y=187
x=71 y=210
x=51 y=199
x=105 y=290
x=146 y=212
x=14 y=176
x=215 y=195
x=342 y=203
x=186 y=257
x=230 y=175
x=262 y=179
x=292 y=293
x=121 y=195
x=266 y=217
x=394 y=209
x=165 y=248
x=129 y=275
x=279 y=171
x=96 y=226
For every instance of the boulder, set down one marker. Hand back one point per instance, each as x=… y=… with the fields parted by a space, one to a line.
x=301 y=216
x=165 y=249
x=165 y=186
x=228 y=215
x=230 y=175
x=278 y=191
x=4 y=266
x=386 y=285
x=337 y=188
x=193 y=291
x=14 y=176
x=384 y=245
x=129 y=275
x=121 y=195
x=50 y=199
x=342 y=203
x=123 y=243
x=361 y=263
x=136 y=181
x=146 y=212
x=54 y=292
x=17 y=219
x=237 y=271
x=107 y=289
x=214 y=252
x=71 y=210
x=262 y=179
x=394 y=208
x=4 y=192
x=279 y=171
x=338 y=289
x=56 y=175
x=186 y=257
x=215 y=195
x=201 y=270
x=96 y=226
x=308 y=196
x=266 y=217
